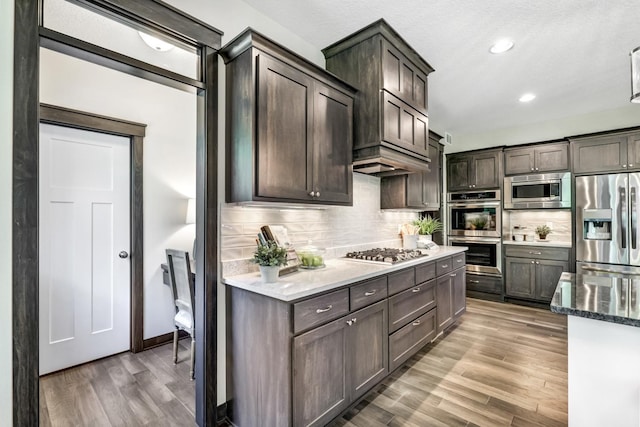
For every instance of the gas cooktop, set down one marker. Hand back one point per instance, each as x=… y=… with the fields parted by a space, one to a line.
x=385 y=255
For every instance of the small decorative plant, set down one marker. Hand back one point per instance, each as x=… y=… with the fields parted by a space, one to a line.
x=428 y=225
x=542 y=231
x=270 y=255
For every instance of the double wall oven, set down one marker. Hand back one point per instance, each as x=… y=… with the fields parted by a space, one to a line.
x=475 y=221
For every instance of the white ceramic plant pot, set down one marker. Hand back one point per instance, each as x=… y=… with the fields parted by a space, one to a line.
x=269 y=273
x=424 y=239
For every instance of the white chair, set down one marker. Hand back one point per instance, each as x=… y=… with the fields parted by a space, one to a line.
x=182 y=287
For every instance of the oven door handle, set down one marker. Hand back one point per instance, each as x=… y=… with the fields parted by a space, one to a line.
x=474 y=240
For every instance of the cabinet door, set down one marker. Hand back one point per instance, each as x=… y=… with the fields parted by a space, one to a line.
x=431 y=180
x=284 y=131
x=520 y=277
x=367 y=348
x=320 y=390
x=444 y=296
x=633 y=152
x=600 y=154
x=458 y=169
x=547 y=276
x=404 y=126
x=459 y=284
x=415 y=190
x=552 y=157
x=519 y=161
x=332 y=145
x=486 y=170
x=402 y=78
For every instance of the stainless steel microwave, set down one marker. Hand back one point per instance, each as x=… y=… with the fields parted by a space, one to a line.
x=540 y=191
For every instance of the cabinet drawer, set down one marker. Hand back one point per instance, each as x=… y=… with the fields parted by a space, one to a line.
x=318 y=310
x=487 y=284
x=425 y=272
x=443 y=266
x=457 y=261
x=406 y=342
x=558 y=254
x=401 y=280
x=411 y=303
x=368 y=292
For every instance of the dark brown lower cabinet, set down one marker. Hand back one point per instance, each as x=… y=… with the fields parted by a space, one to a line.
x=337 y=363
x=451 y=303
x=533 y=278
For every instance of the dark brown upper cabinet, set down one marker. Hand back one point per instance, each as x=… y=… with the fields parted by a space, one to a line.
x=289 y=127
x=610 y=152
x=548 y=157
x=417 y=191
x=391 y=108
x=475 y=170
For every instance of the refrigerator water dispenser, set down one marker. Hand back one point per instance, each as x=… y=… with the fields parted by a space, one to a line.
x=597 y=224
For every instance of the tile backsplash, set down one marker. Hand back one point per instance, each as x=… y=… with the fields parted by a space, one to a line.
x=339 y=229
x=559 y=220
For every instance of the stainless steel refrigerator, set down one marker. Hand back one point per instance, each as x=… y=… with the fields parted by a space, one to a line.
x=607 y=208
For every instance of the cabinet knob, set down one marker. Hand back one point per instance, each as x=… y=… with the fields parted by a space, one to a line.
x=532 y=169
x=317 y=194
x=537 y=168
x=533 y=262
x=349 y=322
x=537 y=262
x=630 y=165
x=624 y=166
x=312 y=194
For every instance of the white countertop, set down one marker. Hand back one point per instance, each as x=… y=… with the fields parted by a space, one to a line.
x=547 y=243
x=337 y=273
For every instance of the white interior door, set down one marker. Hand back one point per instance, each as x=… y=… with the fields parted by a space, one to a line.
x=84 y=225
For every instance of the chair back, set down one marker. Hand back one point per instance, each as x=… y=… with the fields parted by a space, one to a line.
x=182 y=285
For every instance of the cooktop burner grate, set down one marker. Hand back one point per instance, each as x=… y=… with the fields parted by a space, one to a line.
x=386 y=255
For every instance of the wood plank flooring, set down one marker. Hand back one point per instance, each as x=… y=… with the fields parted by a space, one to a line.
x=502 y=365
x=123 y=390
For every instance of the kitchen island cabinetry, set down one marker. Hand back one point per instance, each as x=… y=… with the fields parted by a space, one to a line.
x=532 y=272
x=548 y=157
x=416 y=190
x=302 y=358
x=610 y=152
x=391 y=106
x=476 y=170
x=289 y=127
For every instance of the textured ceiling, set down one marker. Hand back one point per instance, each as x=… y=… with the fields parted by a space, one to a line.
x=573 y=54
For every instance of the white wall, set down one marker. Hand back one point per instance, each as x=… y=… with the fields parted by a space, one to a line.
x=553 y=129
x=169 y=157
x=6 y=120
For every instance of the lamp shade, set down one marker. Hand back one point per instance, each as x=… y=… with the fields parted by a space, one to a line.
x=635 y=75
x=191 y=212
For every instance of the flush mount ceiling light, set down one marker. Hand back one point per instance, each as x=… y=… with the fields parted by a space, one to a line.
x=527 y=97
x=155 y=43
x=635 y=75
x=501 y=46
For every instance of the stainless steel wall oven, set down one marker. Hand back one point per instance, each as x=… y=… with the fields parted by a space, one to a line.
x=484 y=255
x=475 y=213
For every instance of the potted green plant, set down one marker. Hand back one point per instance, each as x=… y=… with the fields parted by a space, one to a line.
x=542 y=231
x=270 y=258
x=428 y=225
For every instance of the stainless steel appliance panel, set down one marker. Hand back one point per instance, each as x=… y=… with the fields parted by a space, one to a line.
x=539 y=191
x=474 y=219
x=602 y=233
x=484 y=255
x=634 y=213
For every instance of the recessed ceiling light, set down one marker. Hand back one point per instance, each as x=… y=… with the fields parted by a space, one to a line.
x=501 y=46
x=527 y=97
x=155 y=43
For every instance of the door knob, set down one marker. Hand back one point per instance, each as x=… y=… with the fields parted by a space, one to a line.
x=123 y=254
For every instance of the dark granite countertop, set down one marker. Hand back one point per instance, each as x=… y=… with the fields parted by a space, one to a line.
x=611 y=298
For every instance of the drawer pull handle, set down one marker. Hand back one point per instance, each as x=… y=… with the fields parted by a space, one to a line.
x=445 y=265
x=369 y=293
x=452 y=275
x=474 y=281
x=416 y=323
x=415 y=290
x=458 y=260
x=324 y=310
x=535 y=253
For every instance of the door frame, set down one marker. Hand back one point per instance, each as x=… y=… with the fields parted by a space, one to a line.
x=29 y=35
x=67 y=117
